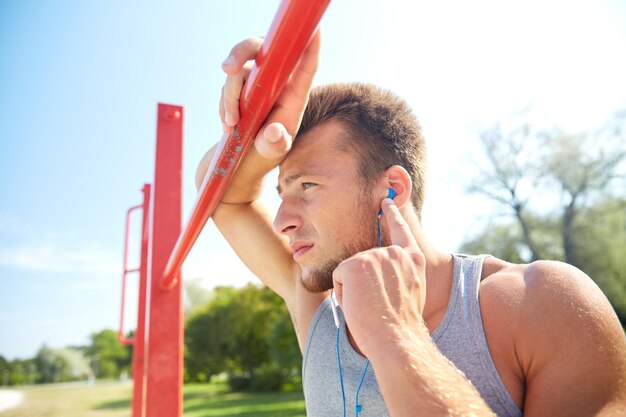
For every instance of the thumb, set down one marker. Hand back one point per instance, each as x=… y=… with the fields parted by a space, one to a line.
x=273 y=141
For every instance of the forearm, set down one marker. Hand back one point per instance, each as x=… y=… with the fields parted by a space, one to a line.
x=416 y=379
x=248 y=179
x=248 y=230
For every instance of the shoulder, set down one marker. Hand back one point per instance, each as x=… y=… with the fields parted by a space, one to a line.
x=548 y=299
x=547 y=293
x=549 y=289
x=567 y=340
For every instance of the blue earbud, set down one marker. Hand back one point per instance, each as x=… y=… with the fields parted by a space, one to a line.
x=392 y=195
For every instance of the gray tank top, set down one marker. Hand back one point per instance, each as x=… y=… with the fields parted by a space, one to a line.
x=460 y=337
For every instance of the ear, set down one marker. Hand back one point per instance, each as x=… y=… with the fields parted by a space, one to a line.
x=398 y=178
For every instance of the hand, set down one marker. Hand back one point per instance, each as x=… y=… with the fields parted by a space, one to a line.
x=275 y=137
x=382 y=291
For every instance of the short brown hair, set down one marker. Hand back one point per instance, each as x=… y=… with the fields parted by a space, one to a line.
x=383 y=129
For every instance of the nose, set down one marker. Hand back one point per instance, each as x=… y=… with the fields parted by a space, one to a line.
x=287 y=219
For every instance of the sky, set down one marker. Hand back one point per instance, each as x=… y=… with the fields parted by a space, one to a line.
x=79 y=87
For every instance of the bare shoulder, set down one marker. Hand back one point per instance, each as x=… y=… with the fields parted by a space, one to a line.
x=550 y=296
x=552 y=293
x=566 y=341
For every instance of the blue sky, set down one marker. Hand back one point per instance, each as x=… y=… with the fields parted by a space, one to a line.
x=80 y=82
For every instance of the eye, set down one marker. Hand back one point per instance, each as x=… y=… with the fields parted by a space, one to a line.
x=307 y=185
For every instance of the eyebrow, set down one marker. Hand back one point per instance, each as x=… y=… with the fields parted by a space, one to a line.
x=288 y=180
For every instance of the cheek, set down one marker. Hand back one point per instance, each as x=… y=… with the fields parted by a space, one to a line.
x=344 y=220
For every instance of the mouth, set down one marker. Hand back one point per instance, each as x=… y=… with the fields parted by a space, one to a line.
x=298 y=249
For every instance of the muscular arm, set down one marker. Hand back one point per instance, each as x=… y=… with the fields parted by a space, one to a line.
x=416 y=379
x=246 y=223
x=572 y=346
x=568 y=342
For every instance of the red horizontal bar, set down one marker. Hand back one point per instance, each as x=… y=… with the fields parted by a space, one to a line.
x=290 y=32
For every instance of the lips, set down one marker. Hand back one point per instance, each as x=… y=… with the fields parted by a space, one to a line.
x=299 y=248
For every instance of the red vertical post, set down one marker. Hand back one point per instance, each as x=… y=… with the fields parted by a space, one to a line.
x=140 y=334
x=165 y=326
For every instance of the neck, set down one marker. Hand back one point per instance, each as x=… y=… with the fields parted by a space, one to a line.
x=439 y=271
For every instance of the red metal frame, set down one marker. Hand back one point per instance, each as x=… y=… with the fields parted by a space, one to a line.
x=140 y=333
x=158 y=342
x=289 y=34
x=138 y=341
x=165 y=327
x=120 y=334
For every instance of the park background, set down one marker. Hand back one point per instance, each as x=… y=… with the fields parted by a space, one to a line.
x=80 y=81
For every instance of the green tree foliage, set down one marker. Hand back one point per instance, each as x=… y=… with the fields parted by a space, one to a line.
x=599 y=236
x=245 y=333
x=600 y=244
x=60 y=365
x=107 y=355
x=5 y=371
x=18 y=372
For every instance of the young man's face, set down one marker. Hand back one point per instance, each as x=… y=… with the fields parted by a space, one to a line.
x=326 y=212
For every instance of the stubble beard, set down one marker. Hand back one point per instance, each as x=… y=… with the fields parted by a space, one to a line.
x=320 y=278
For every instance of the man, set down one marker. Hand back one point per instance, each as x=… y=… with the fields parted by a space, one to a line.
x=419 y=332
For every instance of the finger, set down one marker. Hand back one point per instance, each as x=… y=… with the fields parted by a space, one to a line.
x=308 y=64
x=232 y=94
x=399 y=229
x=225 y=128
x=338 y=284
x=241 y=53
x=273 y=141
x=232 y=91
x=298 y=87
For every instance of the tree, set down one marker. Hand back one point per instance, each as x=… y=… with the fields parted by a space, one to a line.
x=108 y=356
x=20 y=372
x=600 y=247
x=60 y=365
x=601 y=244
x=510 y=174
x=565 y=195
x=238 y=333
x=525 y=165
x=207 y=341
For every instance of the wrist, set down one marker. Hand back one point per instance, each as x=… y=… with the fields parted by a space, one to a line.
x=396 y=340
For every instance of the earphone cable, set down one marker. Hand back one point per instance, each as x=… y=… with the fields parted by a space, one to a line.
x=357 y=405
x=343 y=393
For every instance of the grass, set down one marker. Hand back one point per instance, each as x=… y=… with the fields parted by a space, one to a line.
x=113 y=400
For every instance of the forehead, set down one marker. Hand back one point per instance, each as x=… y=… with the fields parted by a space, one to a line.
x=320 y=151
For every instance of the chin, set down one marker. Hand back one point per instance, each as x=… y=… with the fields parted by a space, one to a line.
x=318 y=279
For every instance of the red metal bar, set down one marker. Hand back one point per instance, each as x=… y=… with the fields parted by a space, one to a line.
x=120 y=334
x=289 y=34
x=164 y=352
x=140 y=333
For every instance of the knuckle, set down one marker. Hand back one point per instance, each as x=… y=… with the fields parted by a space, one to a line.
x=395 y=252
x=417 y=257
x=361 y=263
x=245 y=47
